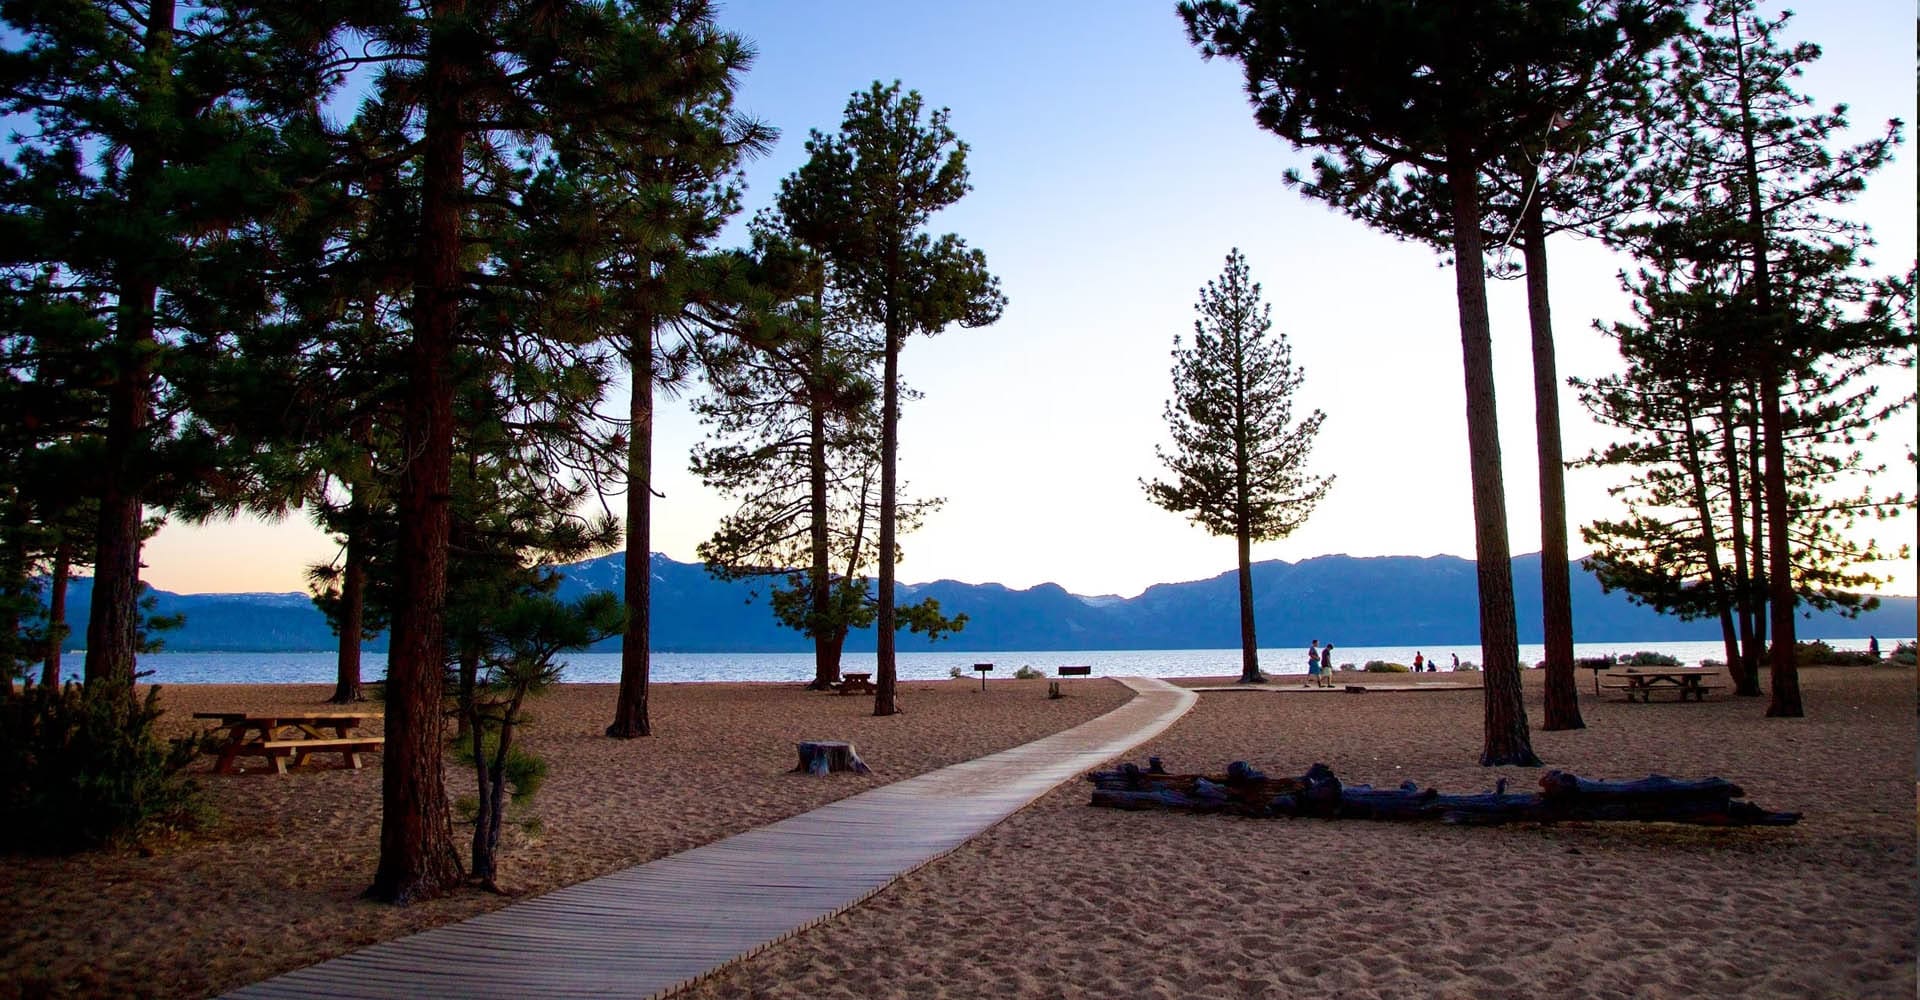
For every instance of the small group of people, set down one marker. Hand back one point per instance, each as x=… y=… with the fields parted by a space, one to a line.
x=1319 y=665
x=1422 y=664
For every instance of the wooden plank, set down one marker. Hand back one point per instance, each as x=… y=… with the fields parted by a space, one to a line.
x=655 y=927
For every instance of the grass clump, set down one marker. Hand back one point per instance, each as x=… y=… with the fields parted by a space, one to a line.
x=1905 y=654
x=1028 y=673
x=1384 y=667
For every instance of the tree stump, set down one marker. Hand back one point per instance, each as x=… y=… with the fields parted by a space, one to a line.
x=826 y=756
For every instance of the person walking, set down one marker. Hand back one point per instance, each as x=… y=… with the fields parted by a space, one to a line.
x=1313 y=664
x=1326 y=666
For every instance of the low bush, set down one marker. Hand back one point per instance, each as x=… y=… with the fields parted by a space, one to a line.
x=1647 y=658
x=1383 y=667
x=1905 y=654
x=956 y=673
x=1816 y=652
x=83 y=767
x=1594 y=662
x=1028 y=673
x=1467 y=665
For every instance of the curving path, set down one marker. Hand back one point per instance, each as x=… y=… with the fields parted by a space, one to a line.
x=648 y=930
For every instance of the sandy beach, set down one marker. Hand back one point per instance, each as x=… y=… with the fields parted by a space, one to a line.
x=1067 y=901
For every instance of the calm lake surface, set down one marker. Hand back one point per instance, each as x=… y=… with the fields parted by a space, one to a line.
x=318 y=668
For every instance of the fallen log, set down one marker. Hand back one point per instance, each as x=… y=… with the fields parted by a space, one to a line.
x=1563 y=797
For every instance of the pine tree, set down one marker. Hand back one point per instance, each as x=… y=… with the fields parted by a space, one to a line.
x=1239 y=458
x=862 y=199
x=1399 y=94
x=1753 y=163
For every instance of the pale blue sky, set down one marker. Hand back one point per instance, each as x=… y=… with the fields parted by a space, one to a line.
x=1112 y=171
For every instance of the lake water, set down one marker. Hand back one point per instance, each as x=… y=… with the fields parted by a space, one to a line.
x=318 y=668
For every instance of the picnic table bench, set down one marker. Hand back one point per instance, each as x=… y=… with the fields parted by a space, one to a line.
x=280 y=735
x=1639 y=683
x=856 y=684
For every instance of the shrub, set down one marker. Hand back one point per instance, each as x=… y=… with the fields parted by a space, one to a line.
x=1905 y=653
x=1594 y=662
x=83 y=767
x=1383 y=667
x=1467 y=665
x=956 y=673
x=1027 y=673
x=1818 y=653
x=1646 y=658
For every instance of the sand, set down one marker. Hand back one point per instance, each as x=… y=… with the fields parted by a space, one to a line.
x=1064 y=900
x=274 y=886
x=1067 y=901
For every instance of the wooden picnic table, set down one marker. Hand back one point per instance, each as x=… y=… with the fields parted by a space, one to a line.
x=298 y=734
x=856 y=683
x=1640 y=683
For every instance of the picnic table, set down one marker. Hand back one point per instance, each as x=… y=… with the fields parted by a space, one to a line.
x=856 y=683
x=1639 y=683
x=280 y=735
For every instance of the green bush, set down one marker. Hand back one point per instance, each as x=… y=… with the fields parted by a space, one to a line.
x=1594 y=662
x=1027 y=673
x=1383 y=667
x=1468 y=665
x=1646 y=658
x=83 y=767
x=1906 y=654
x=1817 y=653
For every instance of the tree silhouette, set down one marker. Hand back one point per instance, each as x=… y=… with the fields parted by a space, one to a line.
x=862 y=199
x=1239 y=458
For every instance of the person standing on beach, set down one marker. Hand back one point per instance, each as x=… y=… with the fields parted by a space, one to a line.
x=1313 y=664
x=1418 y=661
x=1873 y=646
x=1326 y=666
x=1456 y=661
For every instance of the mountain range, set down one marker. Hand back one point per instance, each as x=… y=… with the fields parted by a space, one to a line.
x=1355 y=601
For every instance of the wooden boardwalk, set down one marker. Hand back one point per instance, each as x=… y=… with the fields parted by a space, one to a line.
x=649 y=930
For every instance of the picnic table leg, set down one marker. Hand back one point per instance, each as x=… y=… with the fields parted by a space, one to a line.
x=227 y=753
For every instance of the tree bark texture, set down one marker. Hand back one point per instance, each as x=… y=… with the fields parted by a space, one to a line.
x=1709 y=537
x=1506 y=739
x=1562 y=708
x=630 y=711
x=1249 y=646
x=417 y=856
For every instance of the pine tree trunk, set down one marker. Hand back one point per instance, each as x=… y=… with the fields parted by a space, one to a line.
x=1506 y=740
x=1745 y=666
x=417 y=858
x=57 y=612
x=1772 y=360
x=1785 y=702
x=630 y=715
x=883 y=698
x=1562 y=709
x=353 y=604
x=827 y=638
x=1709 y=538
x=113 y=622
x=1757 y=586
x=1249 y=647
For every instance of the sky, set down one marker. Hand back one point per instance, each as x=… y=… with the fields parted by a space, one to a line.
x=1112 y=170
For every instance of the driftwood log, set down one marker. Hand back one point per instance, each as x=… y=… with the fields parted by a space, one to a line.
x=1562 y=797
x=826 y=756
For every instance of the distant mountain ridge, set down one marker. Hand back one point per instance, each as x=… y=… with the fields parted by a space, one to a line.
x=1352 y=600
